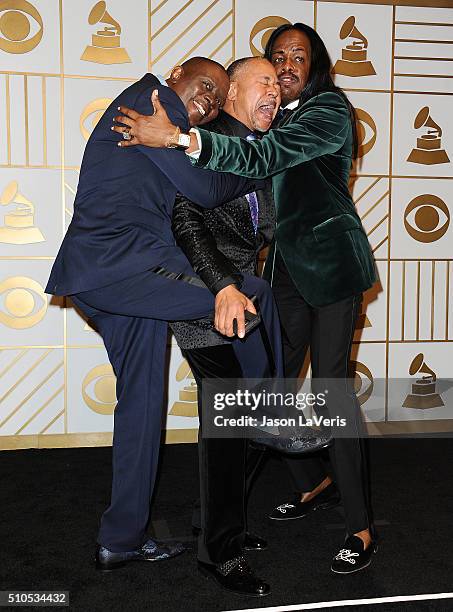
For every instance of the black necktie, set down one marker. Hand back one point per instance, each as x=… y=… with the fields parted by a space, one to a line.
x=282 y=114
x=252 y=198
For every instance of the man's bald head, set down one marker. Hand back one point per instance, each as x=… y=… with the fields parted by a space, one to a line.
x=236 y=68
x=254 y=94
x=202 y=84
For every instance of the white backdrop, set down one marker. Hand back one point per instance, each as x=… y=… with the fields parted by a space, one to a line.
x=59 y=68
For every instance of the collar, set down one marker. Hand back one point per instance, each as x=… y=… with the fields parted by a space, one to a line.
x=239 y=128
x=292 y=105
x=161 y=80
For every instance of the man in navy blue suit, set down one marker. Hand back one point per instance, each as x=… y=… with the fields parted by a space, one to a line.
x=120 y=265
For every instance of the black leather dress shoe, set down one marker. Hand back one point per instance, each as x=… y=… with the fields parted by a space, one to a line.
x=303 y=441
x=254 y=542
x=352 y=557
x=251 y=541
x=236 y=576
x=107 y=560
x=328 y=498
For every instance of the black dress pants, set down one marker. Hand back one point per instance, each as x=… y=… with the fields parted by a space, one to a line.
x=328 y=332
x=226 y=466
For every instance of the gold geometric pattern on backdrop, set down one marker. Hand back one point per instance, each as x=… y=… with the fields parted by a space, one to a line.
x=31 y=117
x=423 y=49
x=31 y=390
x=195 y=28
x=371 y=198
x=53 y=91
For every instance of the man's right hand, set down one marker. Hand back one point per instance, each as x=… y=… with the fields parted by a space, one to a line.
x=230 y=304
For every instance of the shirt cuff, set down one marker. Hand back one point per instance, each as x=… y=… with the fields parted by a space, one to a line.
x=237 y=280
x=195 y=154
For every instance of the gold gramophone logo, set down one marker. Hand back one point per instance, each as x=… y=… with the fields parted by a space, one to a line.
x=424 y=393
x=429 y=146
x=365 y=124
x=363 y=382
x=91 y=114
x=265 y=27
x=187 y=405
x=426 y=218
x=353 y=62
x=15 y=26
x=21 y=302
x=99 y=389
x=105 y=45
x=19 y=224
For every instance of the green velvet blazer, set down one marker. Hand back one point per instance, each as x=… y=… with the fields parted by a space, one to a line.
x=319 y=233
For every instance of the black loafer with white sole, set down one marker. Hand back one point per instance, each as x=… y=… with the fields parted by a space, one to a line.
x=352 y=557
x=328 y=498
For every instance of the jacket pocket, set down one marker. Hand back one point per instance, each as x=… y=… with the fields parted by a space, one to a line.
x=334 y=226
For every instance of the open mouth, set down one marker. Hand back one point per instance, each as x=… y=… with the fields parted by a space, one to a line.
x=200 y=108
x=268 y=109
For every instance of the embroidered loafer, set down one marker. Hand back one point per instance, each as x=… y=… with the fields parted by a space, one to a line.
x=152 y=550
x=352 y=557
x=235 y=576
x=328 y=498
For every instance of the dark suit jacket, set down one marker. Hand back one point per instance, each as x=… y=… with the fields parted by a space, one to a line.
x=220 y=243
x=319 y=233
x=123 y=207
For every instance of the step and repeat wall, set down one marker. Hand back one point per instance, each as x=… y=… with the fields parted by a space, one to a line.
x=63 y=61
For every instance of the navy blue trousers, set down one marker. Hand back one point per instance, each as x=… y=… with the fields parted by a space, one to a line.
x=132 y=317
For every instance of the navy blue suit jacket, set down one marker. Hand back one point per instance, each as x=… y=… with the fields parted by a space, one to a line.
x=123 y=207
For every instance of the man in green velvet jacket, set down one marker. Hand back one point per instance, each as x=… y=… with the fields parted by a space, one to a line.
x=319 y=233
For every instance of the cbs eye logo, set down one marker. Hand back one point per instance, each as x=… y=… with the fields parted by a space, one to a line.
x=363 y=382
x=19 y=33
x=99 y=389
x=366 y=131
x=265 y=27
x=24 y=302
x=426 y=218
x=91 y=114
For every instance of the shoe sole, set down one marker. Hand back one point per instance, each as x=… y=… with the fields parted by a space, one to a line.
x=359 y=568
x=324 y=506
x=209 y=576
x=353 y=571
x=106 y=569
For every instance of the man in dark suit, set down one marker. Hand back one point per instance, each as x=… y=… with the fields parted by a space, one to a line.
x=223 y=243
x=120 y=265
